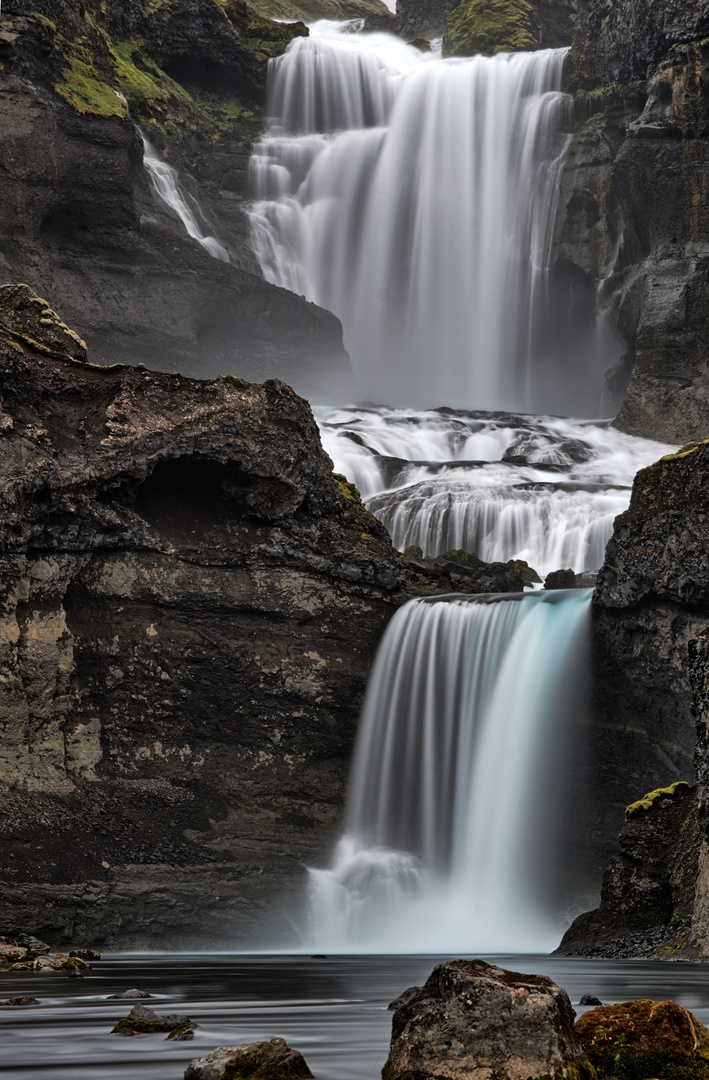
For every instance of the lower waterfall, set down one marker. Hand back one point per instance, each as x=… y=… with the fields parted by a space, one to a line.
x=451 y=833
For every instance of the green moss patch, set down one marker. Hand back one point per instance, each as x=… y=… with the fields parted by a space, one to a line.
x=637 y=1040
x=83 y=87
x=490 y=27
x=647 y=802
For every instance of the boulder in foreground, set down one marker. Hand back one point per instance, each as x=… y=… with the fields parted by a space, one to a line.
x=474 y=1021
x=273 y=1060
x=639 y=1039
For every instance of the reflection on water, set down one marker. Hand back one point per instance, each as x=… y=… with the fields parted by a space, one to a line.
x=334 y=1010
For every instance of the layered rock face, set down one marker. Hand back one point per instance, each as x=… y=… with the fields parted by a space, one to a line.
x=79 y=220
x=190 y=604
x=636 y=222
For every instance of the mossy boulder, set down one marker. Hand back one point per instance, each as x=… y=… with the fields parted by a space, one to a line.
x=490 y=27
x=640 y=1039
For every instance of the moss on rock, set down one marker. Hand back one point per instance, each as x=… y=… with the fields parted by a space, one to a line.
x=646 y=803
x=490 y=27
x=636 y=1040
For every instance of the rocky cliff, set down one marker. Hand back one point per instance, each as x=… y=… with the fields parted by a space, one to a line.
x=79 y=220
x=189 y=606
x=636 y=224
x=652 y=596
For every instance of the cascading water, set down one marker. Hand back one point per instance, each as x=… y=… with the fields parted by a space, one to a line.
x=544 y=489
x=449 y=838
x=416 y=198
x=166 y=185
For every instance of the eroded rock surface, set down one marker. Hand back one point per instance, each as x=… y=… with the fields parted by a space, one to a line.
x=476 y=1021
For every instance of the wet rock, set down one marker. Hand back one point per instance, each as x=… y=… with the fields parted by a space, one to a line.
x=10 y=954
x=129 y=994
x=182 y=1034
x=560 y=579
x=639 y=1039
x=86 y=954
x=142 y=1020
x=19 y=1002
x=470 y=1014
x=404 y=997
x=274 y=1059
x=590 y=999
x=57 y=962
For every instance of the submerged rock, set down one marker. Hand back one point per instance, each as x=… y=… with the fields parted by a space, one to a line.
x=274 y=1060
x=19 y=1002
x=129 y=994
x=474 y=1021
x=640 y=1039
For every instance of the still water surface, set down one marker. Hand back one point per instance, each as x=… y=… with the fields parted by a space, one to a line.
x=334 y=1010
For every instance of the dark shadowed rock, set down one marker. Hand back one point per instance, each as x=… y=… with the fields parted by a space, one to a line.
x=275 y=1060
x=19 y=1002
x=88 y=954
x=589 y=999
x=474 y=1021
x=560 y=579
x=649 y=885
x=640 y=1039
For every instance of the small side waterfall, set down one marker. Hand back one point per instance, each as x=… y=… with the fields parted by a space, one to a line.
x=416 y=199
x=453 y=811
x=166 y=185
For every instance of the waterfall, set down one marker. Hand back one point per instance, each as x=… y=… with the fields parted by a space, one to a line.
x=416 y=197
x=166 y=185
x=450 y=836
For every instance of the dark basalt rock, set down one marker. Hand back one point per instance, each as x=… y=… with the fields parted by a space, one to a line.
x=471 y=1019
x=191 y=603
x=19 y=1002
x=639 y=1039
x=275 y=1060
x=652 y=597
x=647 y=895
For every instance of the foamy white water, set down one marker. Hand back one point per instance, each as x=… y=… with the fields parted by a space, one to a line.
x=544 y=489
x=448 y=841
x=166 y=185
x=416 y=198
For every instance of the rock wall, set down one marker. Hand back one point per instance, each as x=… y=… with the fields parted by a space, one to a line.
x=189 y=606
x=636 y=222
x=79 y=221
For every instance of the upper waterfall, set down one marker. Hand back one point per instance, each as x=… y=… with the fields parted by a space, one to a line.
x=416 y=199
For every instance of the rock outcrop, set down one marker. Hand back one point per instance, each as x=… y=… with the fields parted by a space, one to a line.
x=473 y=1020
x=79 y=220
x=190 y=603
x=647 y=896
x=652 y=597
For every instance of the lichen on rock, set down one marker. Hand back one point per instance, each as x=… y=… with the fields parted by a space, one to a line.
x=635 y=1040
